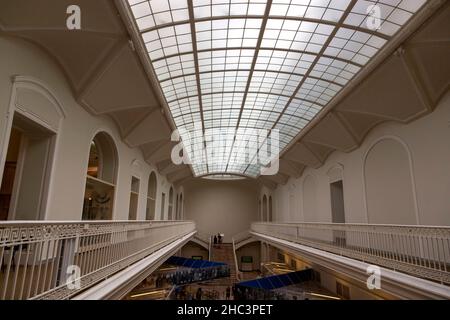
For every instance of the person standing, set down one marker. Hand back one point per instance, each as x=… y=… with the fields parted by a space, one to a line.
x=227 y=293
x=199 y=293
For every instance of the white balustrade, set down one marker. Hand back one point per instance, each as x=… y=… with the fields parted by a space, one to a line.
x=422 y=251
x=57 y=260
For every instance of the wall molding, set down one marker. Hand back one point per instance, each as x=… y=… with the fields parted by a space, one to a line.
x=411 y=172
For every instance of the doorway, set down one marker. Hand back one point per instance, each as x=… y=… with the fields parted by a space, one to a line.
x=25 y=180
x=338 y=209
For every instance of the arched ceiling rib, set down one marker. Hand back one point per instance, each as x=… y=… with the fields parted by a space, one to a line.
x=235 y=66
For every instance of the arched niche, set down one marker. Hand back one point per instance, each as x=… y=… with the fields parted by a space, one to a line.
x=389 y=183
x=101 y=178
x=310 y=199
x=151 y=197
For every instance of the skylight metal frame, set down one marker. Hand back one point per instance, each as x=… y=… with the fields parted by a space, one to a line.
x=315 y=89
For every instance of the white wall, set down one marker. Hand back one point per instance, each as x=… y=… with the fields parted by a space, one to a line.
x=252 y=249
x=77 y=129
x=192 y=249
x=221 y=206
x=400 y=174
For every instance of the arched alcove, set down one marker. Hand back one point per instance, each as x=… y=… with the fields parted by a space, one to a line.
x=151 y=197
x=309 y=199
x=101 y=178
x=389 y=185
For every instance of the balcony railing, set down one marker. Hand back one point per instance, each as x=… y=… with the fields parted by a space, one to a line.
x=57 y=260
x=421 y=251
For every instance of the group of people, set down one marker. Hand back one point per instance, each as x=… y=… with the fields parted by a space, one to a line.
x=243 y=293
x=188 y=293
x=182 y=293
x=218 y=239
x=185 y=276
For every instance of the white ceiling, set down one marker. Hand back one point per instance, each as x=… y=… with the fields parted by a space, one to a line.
x=109 y=78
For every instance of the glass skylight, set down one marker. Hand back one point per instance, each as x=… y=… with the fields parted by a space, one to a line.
x=230 y=67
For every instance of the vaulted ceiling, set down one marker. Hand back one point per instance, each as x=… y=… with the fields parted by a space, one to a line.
x=111 y=76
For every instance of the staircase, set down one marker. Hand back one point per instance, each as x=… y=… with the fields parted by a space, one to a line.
x=223 y=253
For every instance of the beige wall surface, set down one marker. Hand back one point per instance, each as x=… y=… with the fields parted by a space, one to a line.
x=192 y=249
x=221 y=206
x=399 y=175
x=76 y=130
x=252 y=249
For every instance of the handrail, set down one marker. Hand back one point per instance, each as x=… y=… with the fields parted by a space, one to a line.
x=422 y=251
x=207 y=239
x=57 y=260
x=241 y=236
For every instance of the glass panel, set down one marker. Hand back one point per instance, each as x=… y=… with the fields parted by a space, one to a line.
x=248 y=71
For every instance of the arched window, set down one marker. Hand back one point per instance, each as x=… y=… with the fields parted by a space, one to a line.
x=181 y=207
x=270 y=209
x=259 y=209
x=177 y=207
x=101 y=179
x=134 y=198
x=264 y=217
x=170 y=204
x=151 y=197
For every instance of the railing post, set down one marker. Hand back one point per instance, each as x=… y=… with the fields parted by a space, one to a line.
x=45 y=250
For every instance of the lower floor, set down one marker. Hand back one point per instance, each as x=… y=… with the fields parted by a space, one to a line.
x=172 y=282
